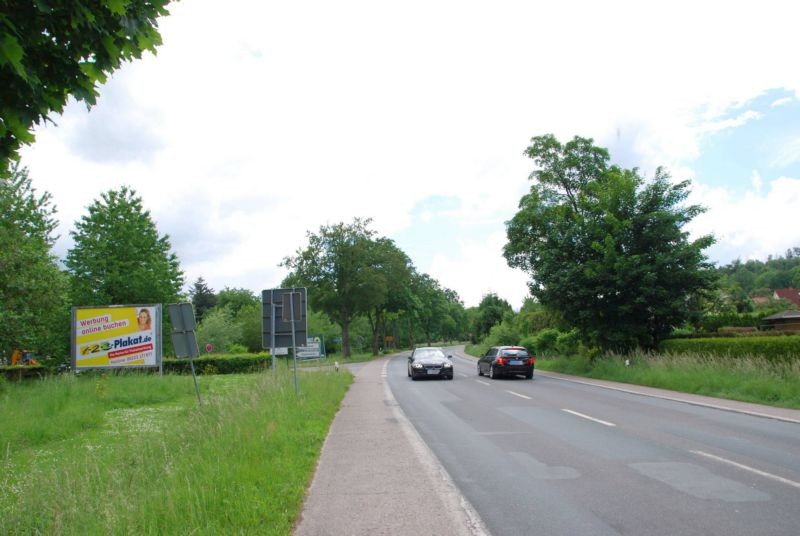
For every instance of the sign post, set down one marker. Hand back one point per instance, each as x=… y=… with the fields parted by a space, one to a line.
x=283 y=321
x=181 y=316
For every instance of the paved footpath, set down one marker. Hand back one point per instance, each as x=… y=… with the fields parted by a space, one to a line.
x=376 y=476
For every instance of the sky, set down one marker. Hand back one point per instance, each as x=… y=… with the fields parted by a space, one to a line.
x=258 y=122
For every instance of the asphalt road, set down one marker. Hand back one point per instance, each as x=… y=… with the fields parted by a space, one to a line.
x=551 y=457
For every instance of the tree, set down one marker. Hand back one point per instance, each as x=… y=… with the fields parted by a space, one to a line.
x=335 y=267
x=606 y=248
x=236 y=299
x=52 y=50
x=33 y=311
x=219 y=330
x=203 y=298
x=391 y=270
x=491 y=311
x=119 y=257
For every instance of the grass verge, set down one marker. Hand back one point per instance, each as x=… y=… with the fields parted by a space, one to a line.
x=748 y=379
x=128 y=455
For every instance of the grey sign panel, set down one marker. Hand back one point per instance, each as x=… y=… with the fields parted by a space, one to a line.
x=184 y=340
x=273 y=301
x=181 y=316
x=185 y=344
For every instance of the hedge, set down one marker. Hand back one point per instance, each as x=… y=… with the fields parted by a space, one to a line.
x=773 y=348
x=213 y=364
x=221 y=364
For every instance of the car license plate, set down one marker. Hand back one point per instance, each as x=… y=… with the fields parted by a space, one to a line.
x=433 y=371
x=516 y=362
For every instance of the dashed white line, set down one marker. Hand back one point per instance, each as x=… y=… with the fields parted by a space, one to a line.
x=748 y=468
x=605 y=423
x=482 y=383
x=519 y=395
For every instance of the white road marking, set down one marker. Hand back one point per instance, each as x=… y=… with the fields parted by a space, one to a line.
x=464 y=375
x=519 y=395
x=605 y=423
x=484 y=383
x=748 y=468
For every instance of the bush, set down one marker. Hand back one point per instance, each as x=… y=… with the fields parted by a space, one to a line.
x=237 y=348
x=568 y=343
x=529 y=342
x=772 y=348
x=220 y=364
x=545 y=341
x=502 y=334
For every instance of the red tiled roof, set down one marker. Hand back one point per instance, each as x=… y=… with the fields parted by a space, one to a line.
x=788 y=294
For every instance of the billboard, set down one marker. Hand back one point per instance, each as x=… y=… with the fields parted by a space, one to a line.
x=116 y=336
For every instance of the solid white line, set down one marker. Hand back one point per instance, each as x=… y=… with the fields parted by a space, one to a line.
x=484 y=383
x=606 y=423
x=748 y=468
x=519 y=395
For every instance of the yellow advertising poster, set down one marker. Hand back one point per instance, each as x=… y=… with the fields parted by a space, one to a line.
x=118 y=336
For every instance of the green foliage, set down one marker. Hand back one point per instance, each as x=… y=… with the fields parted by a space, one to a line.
x=740 y=282
x=203 y=298
x=33 y=310
x=171 y=469
x=503 y=334
x=119 y=257
x=52 y=50
x=771 y=348
x=218 y=329
x=491 y=311
x=568 y=343
x=249 y=321
x=606 y=248
x=227 y=363
x=235 y=299
x=544 y=343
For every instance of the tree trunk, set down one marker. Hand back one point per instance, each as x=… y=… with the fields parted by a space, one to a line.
x=345 y=337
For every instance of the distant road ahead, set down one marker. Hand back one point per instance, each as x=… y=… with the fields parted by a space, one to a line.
x=557 y=458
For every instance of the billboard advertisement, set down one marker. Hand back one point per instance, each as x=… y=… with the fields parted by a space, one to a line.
x=116 y=336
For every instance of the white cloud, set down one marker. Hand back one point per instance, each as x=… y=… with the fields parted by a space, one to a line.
x=753 y=226
x=755 y=178
x=296 y=115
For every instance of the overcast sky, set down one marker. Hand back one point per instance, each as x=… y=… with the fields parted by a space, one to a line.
x=259 y=121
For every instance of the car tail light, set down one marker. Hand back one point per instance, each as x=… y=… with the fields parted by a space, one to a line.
x=501 y=361
x=531 y=361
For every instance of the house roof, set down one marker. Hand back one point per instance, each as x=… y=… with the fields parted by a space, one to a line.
x=784 y=316
x=789 y=294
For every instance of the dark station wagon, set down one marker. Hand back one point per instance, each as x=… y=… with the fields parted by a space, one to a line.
x=506 y=361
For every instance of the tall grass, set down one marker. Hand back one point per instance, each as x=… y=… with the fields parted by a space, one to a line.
x=749 y=379
x=238 y=464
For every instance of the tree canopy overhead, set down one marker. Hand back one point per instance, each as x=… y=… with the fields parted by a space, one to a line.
x=606 y=247
x=52 y=49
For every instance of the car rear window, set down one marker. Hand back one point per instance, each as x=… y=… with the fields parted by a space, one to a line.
x=521 y=352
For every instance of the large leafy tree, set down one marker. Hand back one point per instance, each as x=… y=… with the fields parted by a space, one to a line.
x=52 y=49
x=391 y=271
x=119 y=256
x=336 y=268
x=606 y=248
x=33 y=312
